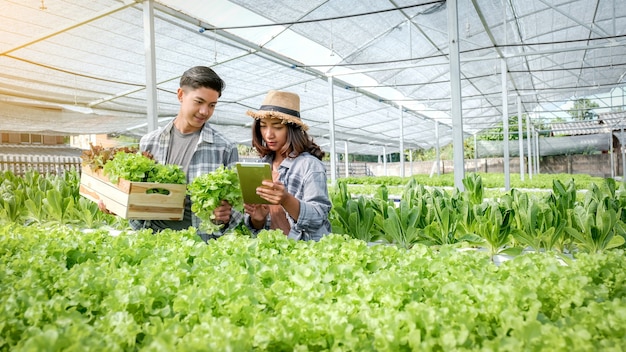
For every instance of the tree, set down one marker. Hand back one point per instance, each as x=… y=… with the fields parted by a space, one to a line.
x=583 y=109
x=445 y=153
x=496 y=133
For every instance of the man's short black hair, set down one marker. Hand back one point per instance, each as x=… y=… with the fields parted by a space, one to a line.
x=202 y=76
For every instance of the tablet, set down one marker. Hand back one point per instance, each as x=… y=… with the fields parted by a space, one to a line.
x=250 y=177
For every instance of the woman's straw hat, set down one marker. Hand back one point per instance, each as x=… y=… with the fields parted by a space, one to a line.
x=280 y=105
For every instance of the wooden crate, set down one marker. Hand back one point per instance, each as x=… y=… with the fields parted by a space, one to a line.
x=130 y=200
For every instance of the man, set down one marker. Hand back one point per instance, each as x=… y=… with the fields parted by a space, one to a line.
x=191 y=142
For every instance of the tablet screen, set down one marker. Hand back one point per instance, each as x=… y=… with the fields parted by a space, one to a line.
x=250 y=177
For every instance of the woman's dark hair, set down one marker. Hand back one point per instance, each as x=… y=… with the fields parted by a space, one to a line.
x=202 y=76
x=298 y=141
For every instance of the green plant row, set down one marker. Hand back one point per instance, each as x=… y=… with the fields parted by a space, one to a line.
x=41 y=199
x=490 y=180
x=549 y=221
x=66 y=290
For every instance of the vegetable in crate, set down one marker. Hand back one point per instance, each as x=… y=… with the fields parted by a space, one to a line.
x=137 y=167
x=207 y=192
x=97 y=156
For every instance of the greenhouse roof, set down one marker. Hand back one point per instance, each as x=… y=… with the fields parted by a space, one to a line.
x=73 y=67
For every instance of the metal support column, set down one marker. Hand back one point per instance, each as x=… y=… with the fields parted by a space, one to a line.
x=411 y=162
x=385 y=160
x=505 y=126
x=612 y=155
x=152 y=113
x=331 y=127
x=455 y=94
x=437 y=150
x=537 y=153
x=621 y=145
x=401 y=141
x=345 y=156
x=475 y=154
x=520 y=137
x=530 y=151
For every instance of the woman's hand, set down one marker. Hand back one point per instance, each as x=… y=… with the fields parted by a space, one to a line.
x=275 y=193
x=258 y=214
x=272 y=191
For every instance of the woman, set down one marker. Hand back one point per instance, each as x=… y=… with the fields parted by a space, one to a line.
x=298 y=195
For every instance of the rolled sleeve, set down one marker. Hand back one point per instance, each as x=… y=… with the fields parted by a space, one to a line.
x=306 y=180
x=314 y=205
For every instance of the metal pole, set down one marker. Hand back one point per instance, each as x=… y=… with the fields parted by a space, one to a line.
x=475 y=154
x=401 y=141
x=455 y=94
x=505 y=127
x=437 y=151
x=331 y=126
x=621 y=144
x=345 y=154
x=150 y=57
x=411 y=160
x=530 y=152
x=385 y=160
x=520 y=137
x=611 y=161
x=537 y=153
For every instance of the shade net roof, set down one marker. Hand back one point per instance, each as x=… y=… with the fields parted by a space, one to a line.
x=77 y=67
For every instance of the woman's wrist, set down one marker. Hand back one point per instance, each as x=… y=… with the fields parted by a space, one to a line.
x=258 y=224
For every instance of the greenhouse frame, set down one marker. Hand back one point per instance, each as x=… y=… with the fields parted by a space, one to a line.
x=375 y=77
x=107 y=245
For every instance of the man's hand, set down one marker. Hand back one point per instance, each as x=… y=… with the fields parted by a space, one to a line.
x=103 y=208
x=222 y=213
